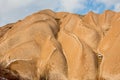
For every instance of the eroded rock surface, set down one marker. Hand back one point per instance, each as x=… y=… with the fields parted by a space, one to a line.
x=61 y=46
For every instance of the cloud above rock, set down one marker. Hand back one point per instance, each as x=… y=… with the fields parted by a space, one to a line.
x=13 y=10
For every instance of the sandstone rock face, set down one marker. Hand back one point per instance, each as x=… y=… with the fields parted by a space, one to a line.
x=61 y=46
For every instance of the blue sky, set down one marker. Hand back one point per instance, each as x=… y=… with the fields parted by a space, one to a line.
x=13 y=10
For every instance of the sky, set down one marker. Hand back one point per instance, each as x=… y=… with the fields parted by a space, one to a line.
x=14 y=10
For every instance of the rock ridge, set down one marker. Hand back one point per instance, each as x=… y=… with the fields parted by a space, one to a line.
x=51 y=45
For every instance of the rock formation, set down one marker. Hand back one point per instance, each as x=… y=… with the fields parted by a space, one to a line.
x=51 y=45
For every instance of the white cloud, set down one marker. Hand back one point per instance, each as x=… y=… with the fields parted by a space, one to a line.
x=12 y=10
x=9 y=5
x=72 y=5
x=51 y=4
x=109 y=3
x=117 y=7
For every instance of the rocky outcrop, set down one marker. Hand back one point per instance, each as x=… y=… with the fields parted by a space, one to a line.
x=61 y=46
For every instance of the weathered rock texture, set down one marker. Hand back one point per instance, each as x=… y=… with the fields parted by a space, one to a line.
x=61 y=46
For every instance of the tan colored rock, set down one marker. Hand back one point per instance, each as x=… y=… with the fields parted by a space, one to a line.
x=62 y=46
